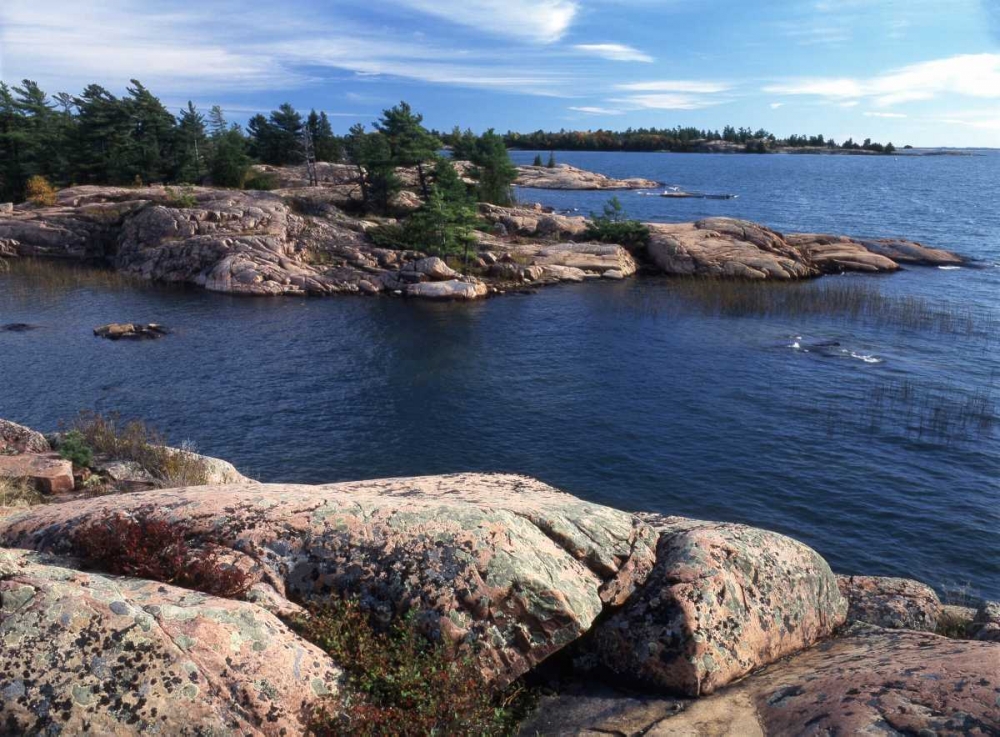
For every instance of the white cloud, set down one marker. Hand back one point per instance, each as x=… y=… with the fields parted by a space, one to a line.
x=870 y=114
x=776 y=105
x=667 y=101
x=971 y=75
x=615 y=52
x=676 y=85
x=591 y=110
x=542 y=21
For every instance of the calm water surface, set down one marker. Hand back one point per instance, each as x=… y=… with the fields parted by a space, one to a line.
x=882 y=452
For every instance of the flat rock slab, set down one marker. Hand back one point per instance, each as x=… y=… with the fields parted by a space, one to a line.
x=502 y=561
x=81 y=652
x=894 y=603
x=723 y=600
x=50 y=473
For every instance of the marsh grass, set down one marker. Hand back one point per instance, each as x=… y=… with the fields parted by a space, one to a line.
x=844 y=299
x=110 y=436
x=31 y=274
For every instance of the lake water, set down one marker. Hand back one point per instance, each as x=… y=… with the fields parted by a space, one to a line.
x=882 y=452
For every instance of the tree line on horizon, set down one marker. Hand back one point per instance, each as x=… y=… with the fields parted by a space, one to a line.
x=677 y=139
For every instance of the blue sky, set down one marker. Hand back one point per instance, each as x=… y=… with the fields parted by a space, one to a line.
x=922 y=72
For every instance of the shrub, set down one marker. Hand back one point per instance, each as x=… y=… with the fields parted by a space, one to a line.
x=183 y=199
x=261 y=181
x=398 y=682
x=155 y=550
x=39 y=192
x=389 y=235
x=614 y=226
x=135 y=441
x=73 y=447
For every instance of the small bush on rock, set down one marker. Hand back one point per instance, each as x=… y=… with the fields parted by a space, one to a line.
x=73 y=447
x=398 y=682
x=135 y=441
x=155 y=550
x=185 y=198
x=261 y=181
x=614 y=226
x=39 y=192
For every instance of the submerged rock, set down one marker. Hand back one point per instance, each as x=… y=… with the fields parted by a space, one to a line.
x=722 y=600
x=81 y=652
x=503 y=563
x=130 y=331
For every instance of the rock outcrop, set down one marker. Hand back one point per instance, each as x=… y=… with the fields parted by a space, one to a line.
x=723 y=600
x=86 y=653
x=985 y=625
x=49 y=473
x=893 y=603
x=501 y=562
x=16 y=438
x=564 y=176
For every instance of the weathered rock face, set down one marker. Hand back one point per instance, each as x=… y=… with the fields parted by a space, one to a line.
x=47 y=471
x=722 y=601
x=893 y=603
x=81 y=652
x=564 y=176
x=723 y=247
x=870 y=681
x=534 y=221
x=595 y=257
x=16 y=438
x=986 y=624
x=502 y=561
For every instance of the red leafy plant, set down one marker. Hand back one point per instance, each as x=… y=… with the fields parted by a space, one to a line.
x=141 y=547
x=398 y=682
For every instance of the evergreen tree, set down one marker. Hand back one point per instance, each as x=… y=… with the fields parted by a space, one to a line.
x=493 y=169
x=103 y=134
x=372 y=155
x=538 y=160
x=217 y=124
x=150 y=149
x=191 y=146
x=326 y=145
x=410 y=144
x=13 y=140
x=37 y=126
x=229 y=164
x=552 y=160
x=286 y=127
x=463 y=144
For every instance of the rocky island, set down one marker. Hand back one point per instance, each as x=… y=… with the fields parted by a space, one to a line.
x=300 y=239
x=627 y=622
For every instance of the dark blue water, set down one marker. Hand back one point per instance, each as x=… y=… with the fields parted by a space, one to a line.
x=625 y=393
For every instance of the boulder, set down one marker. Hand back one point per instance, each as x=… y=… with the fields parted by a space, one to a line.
x=832 y=254
x=869 y=681
x=432 y=268
x=16 y=438
x=81 y=652
x=504 y=565
x=464 y=289
x=47 y=471
x=533 y=221
x=723 y=600
x=893 y=603
x=986 y=624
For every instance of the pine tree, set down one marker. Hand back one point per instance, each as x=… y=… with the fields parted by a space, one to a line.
x=552 y=160
x=229 y=164
x=372 y=155
x=493 y=169
x=191 y=146
x=151 y=145
x=103 y=137
x=13 y=140
x=217 y=124
x=538 y=160
x=327 y=145
x=444 y=224
x=410 y=144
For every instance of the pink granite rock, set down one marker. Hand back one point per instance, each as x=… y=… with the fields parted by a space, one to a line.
x=894 y=603
x=47 y=471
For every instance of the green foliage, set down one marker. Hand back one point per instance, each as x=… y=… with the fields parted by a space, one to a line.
x=39 y=192
x=614 y=226
x=181 y=199
x=537 y=161
x=463 y=144
x=444 y=224
x=275 y=139
x=398 y=682
x=73 y=447
x=191 y=146
x=389 y=235
x=493 y=169
x=410 y=144
x=552 y=160
x=326 y=145
x=261 y=181
x=372 y=155
x=229 y=164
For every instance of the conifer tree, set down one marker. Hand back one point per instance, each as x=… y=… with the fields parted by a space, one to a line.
x=410 y=144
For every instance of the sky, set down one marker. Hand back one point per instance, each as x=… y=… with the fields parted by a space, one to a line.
x=919 y=72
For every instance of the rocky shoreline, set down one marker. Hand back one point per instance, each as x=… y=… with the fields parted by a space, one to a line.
x=655 y=624
x=300 y=240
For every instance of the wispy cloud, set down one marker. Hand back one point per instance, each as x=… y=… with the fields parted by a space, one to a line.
x=776 y=105
x=542 y=21
x=591 y=110
x=615 y=52
x=972 y=75
x=870 y=114
x=667 y=102
x=676 y=85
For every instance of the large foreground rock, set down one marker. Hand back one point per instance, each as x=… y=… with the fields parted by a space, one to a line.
x=869 y=681
x=85 y=653
x=894 y=603
x=501 y=561
x=16 y=438
x=723 y=600
x=49 y=473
